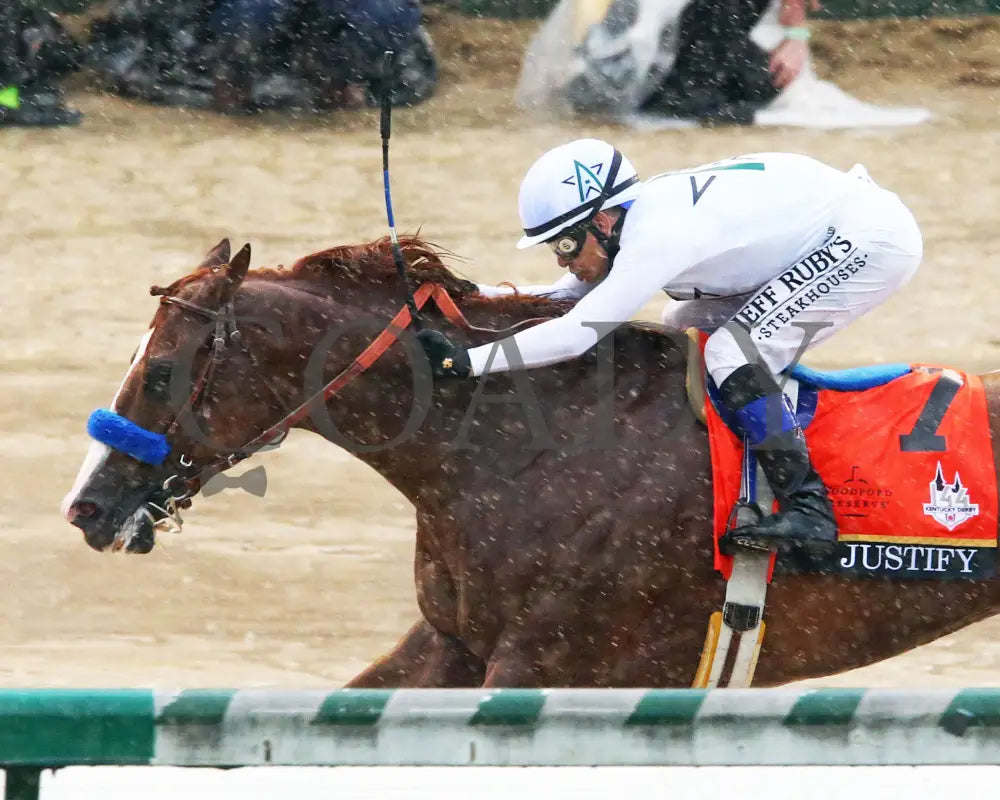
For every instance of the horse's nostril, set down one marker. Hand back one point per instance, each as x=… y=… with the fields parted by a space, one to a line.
x=84 y=510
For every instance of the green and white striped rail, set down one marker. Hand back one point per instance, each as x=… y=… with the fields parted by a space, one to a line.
x=459 y=727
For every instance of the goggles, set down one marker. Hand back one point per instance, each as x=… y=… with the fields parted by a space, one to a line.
x=568 y=244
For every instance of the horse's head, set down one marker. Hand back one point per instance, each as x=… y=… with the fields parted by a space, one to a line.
x=153 y=444
x=202 y=393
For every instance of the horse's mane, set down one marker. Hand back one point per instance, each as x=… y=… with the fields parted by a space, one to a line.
x=373 y=264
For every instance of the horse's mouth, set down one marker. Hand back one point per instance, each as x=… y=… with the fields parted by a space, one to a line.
x=135 y=534
x=128 y=523
x=158 y=513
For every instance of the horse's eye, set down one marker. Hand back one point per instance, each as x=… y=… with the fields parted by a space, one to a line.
x=158 y=371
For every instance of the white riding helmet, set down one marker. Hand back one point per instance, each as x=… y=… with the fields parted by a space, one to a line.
x=571 y=183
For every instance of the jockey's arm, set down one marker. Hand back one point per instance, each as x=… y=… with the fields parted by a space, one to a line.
x=636 y=277
x=568 y=287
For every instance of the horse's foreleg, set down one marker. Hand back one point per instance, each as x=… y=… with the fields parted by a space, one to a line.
x=424 y=658
x=506 y=675
x=515 y=664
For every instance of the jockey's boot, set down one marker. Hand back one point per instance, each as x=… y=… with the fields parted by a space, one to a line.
x=764 y=415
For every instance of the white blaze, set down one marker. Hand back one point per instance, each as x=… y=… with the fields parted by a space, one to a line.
x=98 y=453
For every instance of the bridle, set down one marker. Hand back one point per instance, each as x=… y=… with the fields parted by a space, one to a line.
x=178 y=489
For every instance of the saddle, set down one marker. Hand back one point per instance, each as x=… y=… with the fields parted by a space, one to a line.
x=906 y=455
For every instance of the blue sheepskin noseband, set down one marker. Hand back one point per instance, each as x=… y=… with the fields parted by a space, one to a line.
x=125 y=436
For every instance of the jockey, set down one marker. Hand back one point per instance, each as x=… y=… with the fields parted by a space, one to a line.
x=790 y=249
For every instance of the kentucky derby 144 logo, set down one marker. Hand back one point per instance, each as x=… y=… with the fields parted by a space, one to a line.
x=949 y=503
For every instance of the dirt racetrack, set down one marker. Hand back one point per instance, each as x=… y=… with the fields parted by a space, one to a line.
x=308 y=585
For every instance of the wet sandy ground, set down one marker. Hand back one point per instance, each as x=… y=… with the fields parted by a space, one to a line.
x=309 y=584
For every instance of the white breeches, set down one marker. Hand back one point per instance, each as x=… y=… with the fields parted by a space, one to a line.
x=872 y=248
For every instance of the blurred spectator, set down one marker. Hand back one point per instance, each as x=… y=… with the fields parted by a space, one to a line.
x=705 y=60
x=720 y=74
x=242 y=55
x=659 y=64
x=35 y=51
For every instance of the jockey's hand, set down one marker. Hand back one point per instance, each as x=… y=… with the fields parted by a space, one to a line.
x=446 y=360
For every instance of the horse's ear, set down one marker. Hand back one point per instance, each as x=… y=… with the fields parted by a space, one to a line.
x=237 y=269
x=217 y=256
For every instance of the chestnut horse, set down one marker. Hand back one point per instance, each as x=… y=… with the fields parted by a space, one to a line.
x=560 y=540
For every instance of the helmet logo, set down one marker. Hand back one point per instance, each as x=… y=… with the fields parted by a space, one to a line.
x=585 y=179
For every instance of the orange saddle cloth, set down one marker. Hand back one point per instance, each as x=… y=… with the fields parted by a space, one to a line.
x=909 y=467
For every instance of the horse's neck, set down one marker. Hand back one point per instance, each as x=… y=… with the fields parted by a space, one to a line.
x=378 y=400
x=381 y=401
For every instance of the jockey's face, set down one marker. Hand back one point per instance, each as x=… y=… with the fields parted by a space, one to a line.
x=590 y=264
